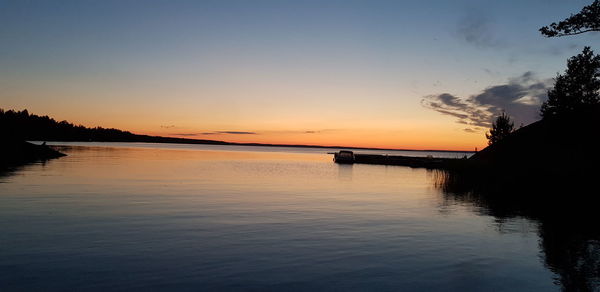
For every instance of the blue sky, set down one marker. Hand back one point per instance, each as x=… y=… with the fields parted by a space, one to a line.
x=277 y=68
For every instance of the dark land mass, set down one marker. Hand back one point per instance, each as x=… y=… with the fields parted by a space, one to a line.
x=553 y=151
x=560 y=147
x=14 y=153
x=21 y=125
x=546 y=172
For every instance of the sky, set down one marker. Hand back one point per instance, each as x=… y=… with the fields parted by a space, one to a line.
x=387 y=74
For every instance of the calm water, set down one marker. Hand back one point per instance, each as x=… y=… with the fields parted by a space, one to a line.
x=170 y=217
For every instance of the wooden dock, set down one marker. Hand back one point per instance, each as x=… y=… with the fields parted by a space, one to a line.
x=410 y=161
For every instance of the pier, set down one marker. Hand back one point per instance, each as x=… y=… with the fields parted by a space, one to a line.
x=410 y=161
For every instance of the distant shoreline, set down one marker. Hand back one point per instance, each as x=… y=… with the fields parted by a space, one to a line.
x=21 y=125
x=184 y=141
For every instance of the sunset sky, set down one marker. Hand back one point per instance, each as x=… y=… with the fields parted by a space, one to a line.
x=390 y=74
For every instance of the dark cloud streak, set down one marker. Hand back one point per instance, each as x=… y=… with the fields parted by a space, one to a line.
x=476 y=28
x=237 y=132
x=216 y=133
x=256 y=133
x=520 y=98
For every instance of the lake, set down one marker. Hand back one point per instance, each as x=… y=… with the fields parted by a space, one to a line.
x=129 y=216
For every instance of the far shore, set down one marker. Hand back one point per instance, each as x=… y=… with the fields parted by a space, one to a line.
x=21 y=125
x=184 y=141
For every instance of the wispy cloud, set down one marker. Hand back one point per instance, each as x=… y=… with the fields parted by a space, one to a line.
x=273 y=132
x=521 y=98
x=477 y=28
x=319 y=131
x=216 y=133
x=237 y=132
x=167 y=126
x=229 y=133
x=559 y=50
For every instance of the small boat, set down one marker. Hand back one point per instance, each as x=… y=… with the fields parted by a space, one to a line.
x=343 y=156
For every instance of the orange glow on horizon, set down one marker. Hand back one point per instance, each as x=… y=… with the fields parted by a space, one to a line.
x=360 y=139
x=421 y=130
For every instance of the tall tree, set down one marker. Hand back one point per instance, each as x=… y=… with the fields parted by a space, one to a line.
x=577 y=88
x=501 y=128
x=588 y=19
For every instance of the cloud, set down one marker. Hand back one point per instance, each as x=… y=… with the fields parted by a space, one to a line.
x=167 y=126
x=236 y=132
x=319 y=131
x=216 y=133
x=521 y=98
x=476 y=28
x=298 y=132
x=560 y=50
x=229 y=133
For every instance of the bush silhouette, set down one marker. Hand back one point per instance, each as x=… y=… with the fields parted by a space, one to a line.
x=501 y=128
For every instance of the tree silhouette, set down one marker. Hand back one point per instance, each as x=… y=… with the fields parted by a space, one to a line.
x=22 y=125
x=577 y=88
x=588 y=19
x=501 y=128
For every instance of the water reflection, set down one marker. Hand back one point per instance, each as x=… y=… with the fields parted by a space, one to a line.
x=8 y=171
x=565 y=213
x=345 y=172
x=142 y=217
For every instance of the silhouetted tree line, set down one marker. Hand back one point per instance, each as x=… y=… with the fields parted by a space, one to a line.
x=576 y=89
x=575 y=92
x=25 y=126
x=21 y=125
